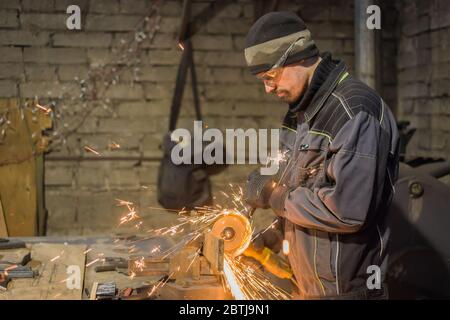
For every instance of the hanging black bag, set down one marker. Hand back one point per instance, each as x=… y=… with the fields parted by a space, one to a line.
x=183 y=185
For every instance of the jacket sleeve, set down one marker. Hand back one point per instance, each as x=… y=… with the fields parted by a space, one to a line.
x=344 y=206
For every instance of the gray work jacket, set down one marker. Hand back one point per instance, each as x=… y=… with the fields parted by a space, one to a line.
x=341 y=173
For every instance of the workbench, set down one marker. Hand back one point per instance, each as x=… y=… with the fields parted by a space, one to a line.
x=59 y=260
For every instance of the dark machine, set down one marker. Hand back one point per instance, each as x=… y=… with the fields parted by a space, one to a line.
x=419 y=266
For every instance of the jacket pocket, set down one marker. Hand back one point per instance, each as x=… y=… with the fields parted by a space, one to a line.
x=323 y=256
x=308 y=166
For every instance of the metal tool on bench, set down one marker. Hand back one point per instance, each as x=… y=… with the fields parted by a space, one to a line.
x=11 y=244
x=113 y=264
x=106 y=290
x=17 y=271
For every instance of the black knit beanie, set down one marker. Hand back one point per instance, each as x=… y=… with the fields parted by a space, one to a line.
x=271 y=35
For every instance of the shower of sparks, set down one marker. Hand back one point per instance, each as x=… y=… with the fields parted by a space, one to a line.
x=65 y=280
x=89 y=149
x=47 y=110
x=140 y=264
x=180 y=45
x=57 y=257
x=232 y=282
x=195 y=256
x=12 y=267
x=270 y=226
x=190 y=224
x=113 y=145
x=156 y=249
x=131 y=215
x=281 y=156
x=159 y=284
x=246 y=283
x=242 y=280
x=92 y=262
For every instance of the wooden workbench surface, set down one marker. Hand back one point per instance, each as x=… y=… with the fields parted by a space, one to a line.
x=52 y=257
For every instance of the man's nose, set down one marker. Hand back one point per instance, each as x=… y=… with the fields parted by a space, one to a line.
x=269 y=88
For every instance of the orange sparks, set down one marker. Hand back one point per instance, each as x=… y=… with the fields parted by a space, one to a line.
x=232 y=281
x=152 y=291
x=47 y=110
x=156 y=249
x=247 y=283
x=130 y=216
x=9 y=269
x=181 y=46
x=113 y=145
x=88 y=250
x=123 y=203
x=89 y=149
x=140 y=264
x=92 y=262
x=55 y=258
x=64 y=280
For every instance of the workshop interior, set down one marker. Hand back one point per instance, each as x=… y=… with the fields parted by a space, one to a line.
x=94 y=207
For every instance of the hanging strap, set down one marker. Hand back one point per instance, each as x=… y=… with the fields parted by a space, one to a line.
x=198 y=114
x=187 y=62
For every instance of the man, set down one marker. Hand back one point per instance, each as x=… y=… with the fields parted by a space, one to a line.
x=333 y=192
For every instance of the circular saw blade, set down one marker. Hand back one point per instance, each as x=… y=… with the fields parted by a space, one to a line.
x=235 y=230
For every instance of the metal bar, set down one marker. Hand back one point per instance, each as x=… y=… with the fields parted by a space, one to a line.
x=365 y=59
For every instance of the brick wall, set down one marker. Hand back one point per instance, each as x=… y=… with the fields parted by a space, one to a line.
x=40 y=57
x=424 y=75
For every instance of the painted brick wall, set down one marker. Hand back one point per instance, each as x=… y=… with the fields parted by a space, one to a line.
x=424 y=75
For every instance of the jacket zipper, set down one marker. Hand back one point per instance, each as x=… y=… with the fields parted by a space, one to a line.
x=336 y=265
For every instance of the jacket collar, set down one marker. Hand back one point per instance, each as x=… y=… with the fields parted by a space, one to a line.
x=325 y=79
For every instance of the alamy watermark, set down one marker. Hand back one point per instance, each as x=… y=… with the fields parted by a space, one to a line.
x=374 y=280
x=374 y=20
x=73 y=281
x=73 y=22
x=190 y=148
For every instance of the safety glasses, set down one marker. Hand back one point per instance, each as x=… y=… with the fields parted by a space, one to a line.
x=271 y=76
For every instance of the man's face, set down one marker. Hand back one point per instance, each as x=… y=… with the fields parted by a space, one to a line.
x=289 y=83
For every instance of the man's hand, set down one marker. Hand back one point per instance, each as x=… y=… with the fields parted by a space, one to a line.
x=259 y=189
x=264 y=192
